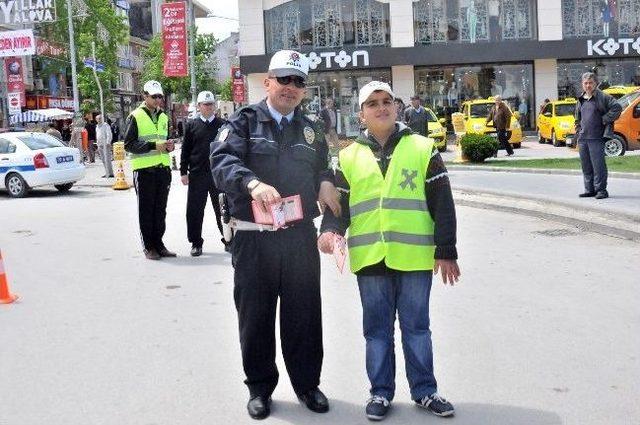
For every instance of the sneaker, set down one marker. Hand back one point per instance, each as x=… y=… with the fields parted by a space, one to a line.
x=603 y=194
x=377 y=408
x=587 y=195
x=436 y=405
x=196 y=251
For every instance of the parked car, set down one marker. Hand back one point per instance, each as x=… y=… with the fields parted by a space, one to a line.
x=475 y=117
x=626 y=129
x=436 y=130
x=619 y=91
x=29 y=160
x=556 y=121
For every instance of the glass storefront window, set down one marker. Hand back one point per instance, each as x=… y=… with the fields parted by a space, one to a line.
x=610 y=72
x=600 y=18
x=471 y=21
x=319 y=24
x=443 y=89
x=343 y=88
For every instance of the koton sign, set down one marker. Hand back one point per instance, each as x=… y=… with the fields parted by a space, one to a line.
x=17 y=43
x=174 y=39
x=27 y=11
x=611 y=46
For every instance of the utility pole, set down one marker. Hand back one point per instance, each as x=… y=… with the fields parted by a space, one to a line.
x=72 y=54
x=192 y=60
x=95 y=74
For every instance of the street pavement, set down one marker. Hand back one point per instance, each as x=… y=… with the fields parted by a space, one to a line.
x=541 y=330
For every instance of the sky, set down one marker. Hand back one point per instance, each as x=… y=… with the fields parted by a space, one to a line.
x=221 y=28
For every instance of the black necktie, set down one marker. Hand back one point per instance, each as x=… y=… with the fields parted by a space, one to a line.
x=284 y=122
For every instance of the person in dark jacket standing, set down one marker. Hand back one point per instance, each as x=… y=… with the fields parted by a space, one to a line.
x=415 y=116
x=90 y=126
x=195 y=170
x=265 y=152
x=330 y=119
x=146 y=139
x=595 y=114
x=398 y=207
x=501 y=117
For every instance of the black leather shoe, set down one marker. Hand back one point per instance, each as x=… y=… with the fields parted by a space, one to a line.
x=603 y=194
x=587 y=195
x=164 y=252
x=315 y=400
x=196 y=251
x=259 y=407
x=151 y=254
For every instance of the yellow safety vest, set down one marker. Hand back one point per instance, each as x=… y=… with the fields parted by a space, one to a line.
x=151 y=132
x=389 y=215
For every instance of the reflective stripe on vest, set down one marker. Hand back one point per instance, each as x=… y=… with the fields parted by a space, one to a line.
x=389 y=216
x=150 y=132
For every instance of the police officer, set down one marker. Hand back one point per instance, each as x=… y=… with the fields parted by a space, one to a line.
x=146 y=139
x=267 y=151
x=195 y=171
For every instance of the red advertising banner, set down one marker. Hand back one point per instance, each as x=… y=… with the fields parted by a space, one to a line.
x=238 y=85
x=15 y=82
x=174 y=39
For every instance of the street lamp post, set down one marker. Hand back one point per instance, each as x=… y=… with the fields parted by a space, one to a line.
x=72 y=54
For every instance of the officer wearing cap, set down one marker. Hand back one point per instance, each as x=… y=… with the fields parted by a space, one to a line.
x=195 y=172
x=146 y=139
x=267 y=151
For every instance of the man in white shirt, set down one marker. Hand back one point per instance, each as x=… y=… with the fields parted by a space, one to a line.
x=103 y=138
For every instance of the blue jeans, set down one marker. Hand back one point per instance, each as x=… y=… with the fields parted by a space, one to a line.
x=408 y=294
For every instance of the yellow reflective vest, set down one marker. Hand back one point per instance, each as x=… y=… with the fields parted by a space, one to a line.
x=150 y=131
x=389 y=215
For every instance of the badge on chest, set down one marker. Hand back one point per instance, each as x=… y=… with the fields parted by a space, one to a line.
x=309 y=135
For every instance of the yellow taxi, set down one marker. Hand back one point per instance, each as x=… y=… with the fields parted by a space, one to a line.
x=475 y=117
x=619 y=91
x=436 y=130
x=556 y=121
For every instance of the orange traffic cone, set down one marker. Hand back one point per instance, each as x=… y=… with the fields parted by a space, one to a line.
x=5 y=296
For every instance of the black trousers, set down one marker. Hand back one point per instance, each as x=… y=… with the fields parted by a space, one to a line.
x=594 y=166
x=503 y=141
x=200 y=187
x=152 y=187
x=269 y=265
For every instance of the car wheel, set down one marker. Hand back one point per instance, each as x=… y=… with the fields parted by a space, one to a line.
x=63 y=188
x=541 y=139
x=16 y=186
x=614 y=147
x=554 y=140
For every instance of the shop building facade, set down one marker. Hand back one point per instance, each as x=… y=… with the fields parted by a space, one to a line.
x=446 y=51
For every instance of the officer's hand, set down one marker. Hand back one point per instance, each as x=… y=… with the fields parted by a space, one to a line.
x=161 y=146
x=329 y=197
x=326 y=242
x=265 y=195
x=185 y=179
x=449 y=269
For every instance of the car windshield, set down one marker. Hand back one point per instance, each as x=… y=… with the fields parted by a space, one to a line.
x=481 y=110
x=628 y=99
x=565 y=109
x=35 y=141
x=431 y=117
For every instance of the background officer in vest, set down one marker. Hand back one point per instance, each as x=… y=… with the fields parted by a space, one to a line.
x=398 y=206
x=146 y=139
x=195 y=170
x=267 y=151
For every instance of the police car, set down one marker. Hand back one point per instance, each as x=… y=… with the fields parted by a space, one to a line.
x=29 y=160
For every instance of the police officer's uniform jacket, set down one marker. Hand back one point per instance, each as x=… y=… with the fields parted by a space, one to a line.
x=282 y=264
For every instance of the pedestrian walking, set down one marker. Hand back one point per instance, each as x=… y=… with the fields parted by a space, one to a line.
x=330 y=119
x=103 y=138
x=595 y=114
x=195 y=170
x=267 y=151
x=90 y=126
x=398 y=207
x=146 y=139
x=501 y=117
x=415 y=116
x=53 y=131
x=399 y=109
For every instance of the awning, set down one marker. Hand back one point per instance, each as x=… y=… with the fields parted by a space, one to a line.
x=39 y=115
x=27 y=116
x=55 y=113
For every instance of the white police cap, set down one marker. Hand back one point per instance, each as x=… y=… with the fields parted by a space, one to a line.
x=152 y=87
x=289 y=62
x=371 y=87
x=206 y=96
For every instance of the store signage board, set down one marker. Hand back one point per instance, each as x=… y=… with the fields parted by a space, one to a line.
x=27 y=11
x=341 y=59
x=17 y=43
x=611 y=46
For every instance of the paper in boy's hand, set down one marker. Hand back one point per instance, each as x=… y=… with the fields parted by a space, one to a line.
x=340 y=251
x=278 y=215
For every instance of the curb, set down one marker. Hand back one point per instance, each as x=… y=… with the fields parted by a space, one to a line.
x=609 y=223
x=614 y=174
